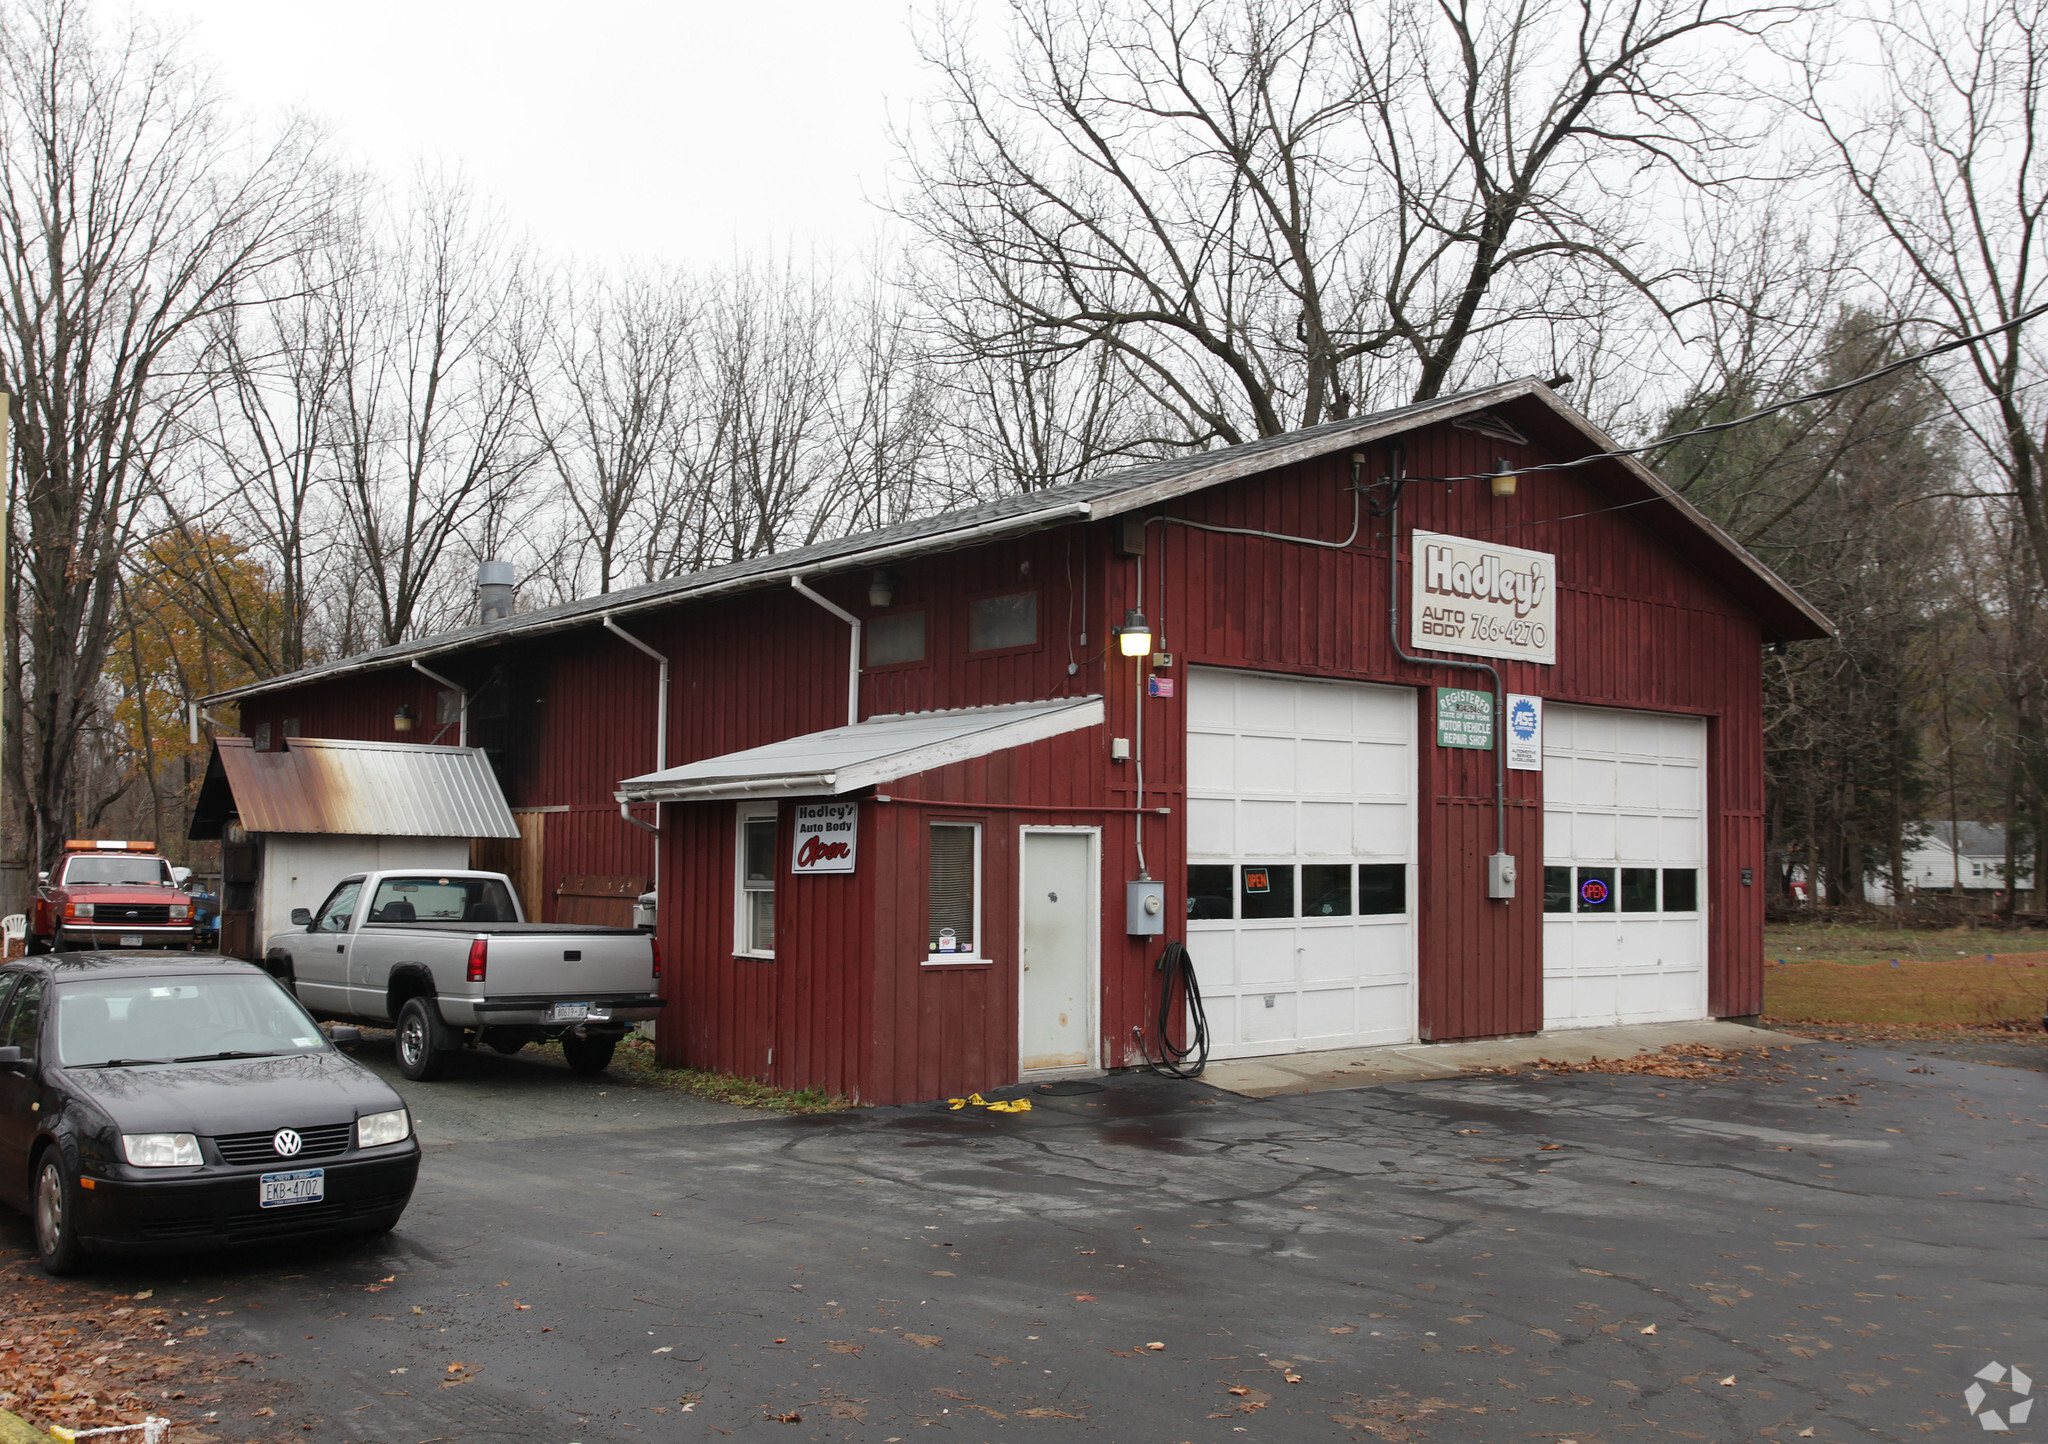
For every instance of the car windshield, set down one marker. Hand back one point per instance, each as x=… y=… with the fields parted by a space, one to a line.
x=441 y=900
x=145 y=871
x=170 y=1018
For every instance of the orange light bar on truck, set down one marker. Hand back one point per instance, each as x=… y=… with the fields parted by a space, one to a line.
x=81 y=844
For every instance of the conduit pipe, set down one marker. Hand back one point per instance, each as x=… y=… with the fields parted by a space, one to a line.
x=462 y=717
x=852 y=657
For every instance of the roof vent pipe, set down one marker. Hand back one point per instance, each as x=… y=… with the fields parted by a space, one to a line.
x=494 y=584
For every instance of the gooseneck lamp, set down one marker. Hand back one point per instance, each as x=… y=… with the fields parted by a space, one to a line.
x=1134 y=637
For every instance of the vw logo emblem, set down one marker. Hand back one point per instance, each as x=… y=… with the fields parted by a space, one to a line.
x=287 y=1143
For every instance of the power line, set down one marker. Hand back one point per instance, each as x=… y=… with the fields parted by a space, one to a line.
x=1821 y=395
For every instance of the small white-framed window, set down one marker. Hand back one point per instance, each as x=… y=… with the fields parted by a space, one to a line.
x=754 y=870
x=953 y=893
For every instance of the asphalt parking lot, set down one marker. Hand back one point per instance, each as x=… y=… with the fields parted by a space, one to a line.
x=1837 y=1248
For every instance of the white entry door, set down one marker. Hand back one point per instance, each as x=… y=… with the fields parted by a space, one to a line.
x=1301 y=860
x=1056 y=949
x=1624 y=867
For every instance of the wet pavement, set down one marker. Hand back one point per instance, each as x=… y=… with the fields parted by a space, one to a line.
x=1834 y=1242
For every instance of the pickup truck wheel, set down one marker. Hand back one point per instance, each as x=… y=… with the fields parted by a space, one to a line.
x=418 y=1058
x=588 y=1055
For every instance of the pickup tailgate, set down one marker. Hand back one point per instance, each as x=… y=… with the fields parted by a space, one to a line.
x=569 y=964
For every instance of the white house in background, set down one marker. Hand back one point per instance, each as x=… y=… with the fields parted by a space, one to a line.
x=1976 y=848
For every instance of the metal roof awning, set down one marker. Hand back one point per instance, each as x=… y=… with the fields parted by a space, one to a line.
x=360 y=789
x=881 y=749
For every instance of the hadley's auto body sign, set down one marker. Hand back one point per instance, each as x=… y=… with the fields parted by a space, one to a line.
x=827 y=836
x=1483 y=598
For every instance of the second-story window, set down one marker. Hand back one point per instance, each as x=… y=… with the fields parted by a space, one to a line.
x=898 y=637
x=1010 y=620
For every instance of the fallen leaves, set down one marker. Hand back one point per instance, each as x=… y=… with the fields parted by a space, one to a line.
x=68 y=1356
x=923 y=1341
x=1674 y=1060
x=1729 y=1382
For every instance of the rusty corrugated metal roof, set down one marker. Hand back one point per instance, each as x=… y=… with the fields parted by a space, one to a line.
x=365 y=789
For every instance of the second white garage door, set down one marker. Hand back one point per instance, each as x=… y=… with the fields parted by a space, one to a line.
x=1301 y=858
x=1624 y=867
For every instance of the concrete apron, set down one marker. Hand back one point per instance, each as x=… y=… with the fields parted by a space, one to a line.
x=1409 y=1062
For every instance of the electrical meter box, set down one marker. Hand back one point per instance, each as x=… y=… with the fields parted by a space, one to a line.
x=1500 y=875
x=1145 y=908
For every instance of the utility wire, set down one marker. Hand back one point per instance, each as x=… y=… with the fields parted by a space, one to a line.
x=1821 y=395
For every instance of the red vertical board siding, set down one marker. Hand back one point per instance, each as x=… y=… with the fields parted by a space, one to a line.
x=851 y=1005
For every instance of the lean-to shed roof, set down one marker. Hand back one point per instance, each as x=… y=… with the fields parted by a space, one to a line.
x=362 y=789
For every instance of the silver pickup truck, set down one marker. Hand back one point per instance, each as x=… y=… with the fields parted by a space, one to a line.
x=449 y=959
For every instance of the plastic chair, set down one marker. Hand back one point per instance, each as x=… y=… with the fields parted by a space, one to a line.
x=14 y=929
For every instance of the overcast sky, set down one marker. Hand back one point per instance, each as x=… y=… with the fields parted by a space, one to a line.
x=679 y=130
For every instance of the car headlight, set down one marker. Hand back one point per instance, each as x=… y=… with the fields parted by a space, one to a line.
x=374 y=1129
x=161 y=1150
x=180 y=911
x=80 y=910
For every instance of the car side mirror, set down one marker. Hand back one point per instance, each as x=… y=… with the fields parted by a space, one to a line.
x=10 y=1055
x=343 y=1033
x=302 y=918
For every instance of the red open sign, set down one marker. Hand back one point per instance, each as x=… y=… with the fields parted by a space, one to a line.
x=1256 y=879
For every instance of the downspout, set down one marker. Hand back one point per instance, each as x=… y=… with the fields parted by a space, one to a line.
x=462 y=717
x=660 y=736
x=853 y=656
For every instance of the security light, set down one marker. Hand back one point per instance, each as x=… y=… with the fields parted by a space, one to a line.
x=1134 y=637
x=403 y=718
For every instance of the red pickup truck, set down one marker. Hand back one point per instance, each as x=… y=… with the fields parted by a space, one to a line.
x=110 y=895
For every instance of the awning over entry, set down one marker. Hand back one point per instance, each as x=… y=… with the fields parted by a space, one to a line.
x=881 y=749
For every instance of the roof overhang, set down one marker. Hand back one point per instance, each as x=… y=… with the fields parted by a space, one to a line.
x=864 y=754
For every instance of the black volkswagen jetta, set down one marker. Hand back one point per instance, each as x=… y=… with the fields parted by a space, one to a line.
x=151 y=1102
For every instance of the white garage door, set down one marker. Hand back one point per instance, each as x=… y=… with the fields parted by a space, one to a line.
x=1624 y=867
x=1301 y=852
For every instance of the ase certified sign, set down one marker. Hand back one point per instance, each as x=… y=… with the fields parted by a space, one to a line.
x=1483 y=599
x=827 y=837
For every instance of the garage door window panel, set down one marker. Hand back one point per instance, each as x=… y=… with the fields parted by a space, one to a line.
x=1211 y=890
x=1596 y=890
x=1639 y=889
x=1265 y=890
x=1557 y=889
x=1326 y=890
x=1382 y=889
x=1681 y=890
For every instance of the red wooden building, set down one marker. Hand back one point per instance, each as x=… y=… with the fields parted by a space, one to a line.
x=903 y=792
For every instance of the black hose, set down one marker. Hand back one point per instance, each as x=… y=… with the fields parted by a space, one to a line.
x=1176 y=966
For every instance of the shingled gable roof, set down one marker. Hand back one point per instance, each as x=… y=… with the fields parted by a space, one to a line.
x=1530 y=405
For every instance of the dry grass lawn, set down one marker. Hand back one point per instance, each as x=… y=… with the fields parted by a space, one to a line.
x=2012 y=986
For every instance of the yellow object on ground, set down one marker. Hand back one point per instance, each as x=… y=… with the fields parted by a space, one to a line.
x=1014 y=1105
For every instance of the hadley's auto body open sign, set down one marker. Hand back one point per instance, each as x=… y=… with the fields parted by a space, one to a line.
x=1483 y=598
x=827 y=835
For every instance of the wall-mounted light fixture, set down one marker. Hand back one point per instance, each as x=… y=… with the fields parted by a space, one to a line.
x=881 y=587
x=1134 y=637
x=1503 y=477
x=403 y=718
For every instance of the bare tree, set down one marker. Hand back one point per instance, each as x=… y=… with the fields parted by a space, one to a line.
x=1272 y=212
x=1947 y=162
x=133 y=214
x=431 y=434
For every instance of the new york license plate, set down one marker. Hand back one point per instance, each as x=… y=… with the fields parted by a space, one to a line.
x=131 y=940
x=568 y=1012
x=307 y=1185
